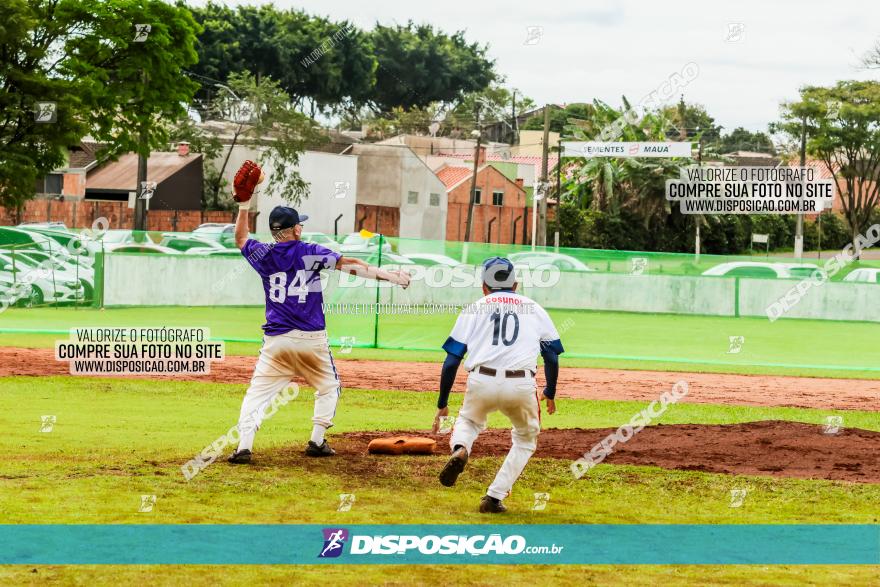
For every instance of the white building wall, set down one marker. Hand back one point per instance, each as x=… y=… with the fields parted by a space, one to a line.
x=332 y=181
x=386 y=176
x=379 y=174
x=421 y=220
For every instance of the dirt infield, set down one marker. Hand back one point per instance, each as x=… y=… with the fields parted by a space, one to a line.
x=607 y=384
x=776 y=448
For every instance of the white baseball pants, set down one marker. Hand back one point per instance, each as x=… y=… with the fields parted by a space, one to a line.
x=306 y=354
x=516 y=398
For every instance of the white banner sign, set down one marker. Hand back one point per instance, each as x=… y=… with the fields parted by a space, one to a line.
x=598 y=149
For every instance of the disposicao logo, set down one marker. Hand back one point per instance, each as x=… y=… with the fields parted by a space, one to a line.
x=334 y=540
x=442 y=545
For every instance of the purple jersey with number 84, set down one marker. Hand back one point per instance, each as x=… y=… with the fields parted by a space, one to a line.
x=291 y=277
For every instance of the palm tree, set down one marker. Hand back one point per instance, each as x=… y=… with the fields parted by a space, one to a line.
x=637 y=185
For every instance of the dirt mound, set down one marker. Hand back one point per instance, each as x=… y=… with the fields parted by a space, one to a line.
x=777 y=448
x=574 y=382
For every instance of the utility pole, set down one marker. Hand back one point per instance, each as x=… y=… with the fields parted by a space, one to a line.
x=558 y=186
x=140 y=204
x=473 y=195
x=542 y=203
x=513 y=119
x=799 y=226
x=699 y=216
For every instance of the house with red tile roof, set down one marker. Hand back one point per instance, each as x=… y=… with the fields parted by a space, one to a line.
x=500 y=209
x=525 y=167
x=823 y=172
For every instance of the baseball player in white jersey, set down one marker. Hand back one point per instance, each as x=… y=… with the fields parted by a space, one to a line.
x=502 y=335
x=295 y=339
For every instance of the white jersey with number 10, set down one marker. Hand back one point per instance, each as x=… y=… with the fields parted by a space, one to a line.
x=503 y=330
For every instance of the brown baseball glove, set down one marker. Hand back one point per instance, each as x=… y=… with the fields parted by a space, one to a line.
x=246 y=179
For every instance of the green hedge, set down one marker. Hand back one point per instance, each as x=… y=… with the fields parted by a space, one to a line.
x=721 y=235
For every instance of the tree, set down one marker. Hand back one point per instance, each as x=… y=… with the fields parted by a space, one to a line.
x=455 y=120
x=418 y=65
x=329 y=64
x=636 y=186
x=211 y=148
x=560 y=117
x=325 y=65
x=741 y=139
x=30 y=80
x=219 y=45
x=264 y=117
x=237 y=39
x=132 y=87
x=572 y=228
x=692 y=121
x=81 y=58
x=687 y=121
x=871 y=60
x=843 y=131
x=400 y=121
x=496 y=104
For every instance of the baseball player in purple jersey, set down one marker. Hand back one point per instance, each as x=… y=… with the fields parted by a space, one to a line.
x=295 y=339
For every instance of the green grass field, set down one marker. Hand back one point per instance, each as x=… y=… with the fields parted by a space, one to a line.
x=817 y=348
x=430 y=575
x=115 y=440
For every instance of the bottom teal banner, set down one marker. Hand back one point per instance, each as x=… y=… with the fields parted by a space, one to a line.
x=653 y=544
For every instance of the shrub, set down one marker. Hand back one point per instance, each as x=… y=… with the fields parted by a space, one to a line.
x=729 y=234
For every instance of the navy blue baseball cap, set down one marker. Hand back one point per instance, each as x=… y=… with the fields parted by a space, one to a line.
x=283 y=217
x=498 y=273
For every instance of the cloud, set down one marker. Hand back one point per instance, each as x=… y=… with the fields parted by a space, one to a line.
x=605 y=49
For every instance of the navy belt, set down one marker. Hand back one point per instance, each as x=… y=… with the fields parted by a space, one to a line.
x=518 y=373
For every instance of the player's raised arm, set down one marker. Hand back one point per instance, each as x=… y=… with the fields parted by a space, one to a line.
x=362 y=269
x=246 y=179
x=241 y=226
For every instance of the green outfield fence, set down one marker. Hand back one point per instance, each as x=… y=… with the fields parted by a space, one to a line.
x=609 y=305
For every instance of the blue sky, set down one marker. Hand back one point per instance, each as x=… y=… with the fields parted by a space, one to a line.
x=751 y=55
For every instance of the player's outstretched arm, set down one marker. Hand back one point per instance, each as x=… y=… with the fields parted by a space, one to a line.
x=362 y=269
x=246 y=179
